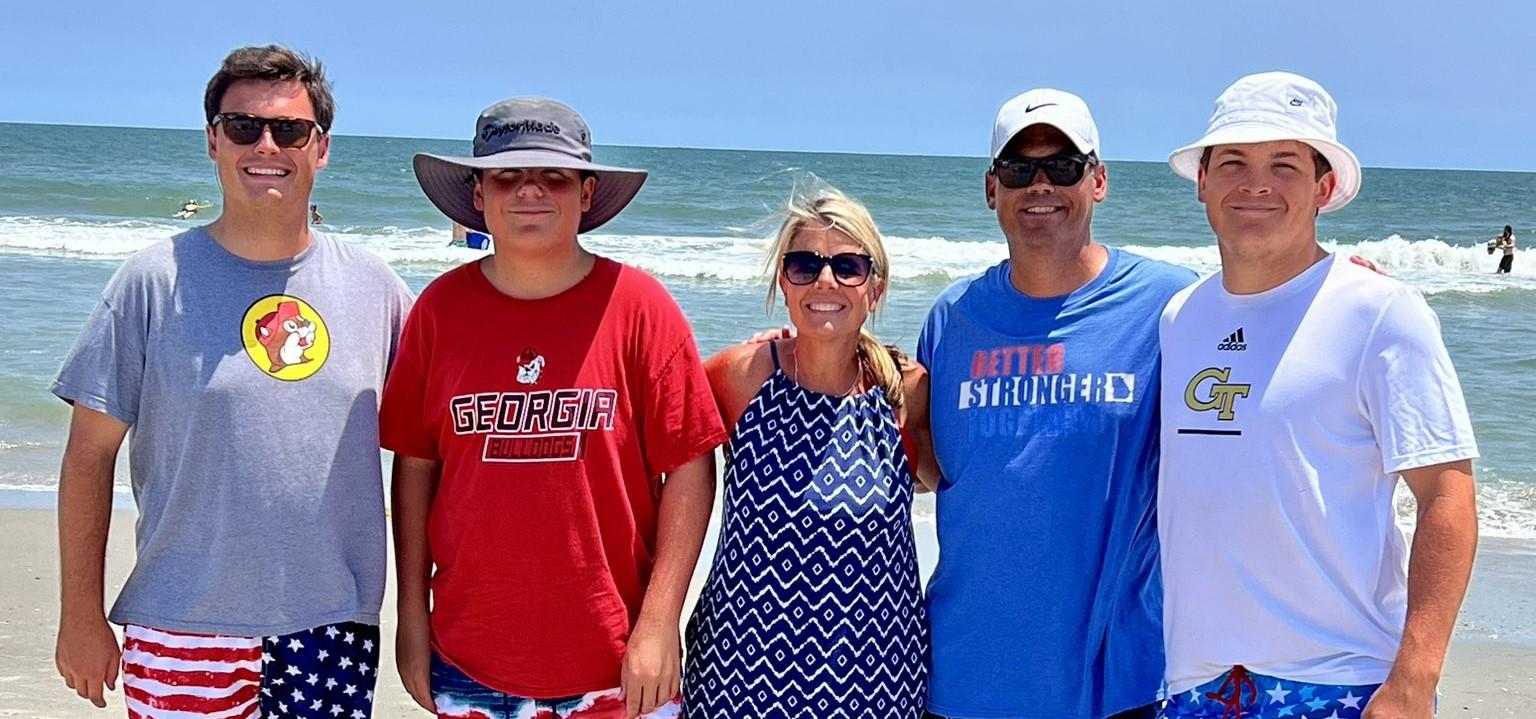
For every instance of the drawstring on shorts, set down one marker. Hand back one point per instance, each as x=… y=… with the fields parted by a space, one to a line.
x=1237 y=680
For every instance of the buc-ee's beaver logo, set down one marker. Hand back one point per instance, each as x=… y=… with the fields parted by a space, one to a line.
x=285 y=337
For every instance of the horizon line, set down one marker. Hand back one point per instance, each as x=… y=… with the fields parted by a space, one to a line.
x=749 y=149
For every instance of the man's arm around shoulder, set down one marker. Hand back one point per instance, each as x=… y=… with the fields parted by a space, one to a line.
x=735 y=375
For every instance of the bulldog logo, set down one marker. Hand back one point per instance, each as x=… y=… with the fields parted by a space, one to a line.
x=530 y=364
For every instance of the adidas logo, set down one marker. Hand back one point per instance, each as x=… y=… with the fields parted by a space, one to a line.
x=1234 y=342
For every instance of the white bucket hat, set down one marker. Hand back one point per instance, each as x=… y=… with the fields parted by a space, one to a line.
x=1272 y=106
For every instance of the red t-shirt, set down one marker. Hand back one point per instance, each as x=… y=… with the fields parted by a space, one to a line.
x=553 y=420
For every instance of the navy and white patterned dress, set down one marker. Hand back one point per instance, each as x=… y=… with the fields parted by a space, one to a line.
x=812 y=608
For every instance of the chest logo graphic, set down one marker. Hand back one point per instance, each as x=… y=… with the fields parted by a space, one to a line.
x=285 y=337
x=1235 y=342
x=530 y=364
x=1210 y=390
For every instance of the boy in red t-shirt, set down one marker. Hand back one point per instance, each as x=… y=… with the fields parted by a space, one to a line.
x=539 y=396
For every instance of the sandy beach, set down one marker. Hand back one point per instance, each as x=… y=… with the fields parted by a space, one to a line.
x=1484 y=677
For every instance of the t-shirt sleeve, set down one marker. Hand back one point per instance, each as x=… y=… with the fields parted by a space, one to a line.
x=104 y=371
x=405 y=424
x=928 y=336
x=1409 y=389
x=681 y=420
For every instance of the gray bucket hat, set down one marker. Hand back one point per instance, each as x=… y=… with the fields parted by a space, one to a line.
x=525 y=132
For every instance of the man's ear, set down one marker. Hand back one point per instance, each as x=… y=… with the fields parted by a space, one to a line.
x=325 y=151
x=588 y=189
x=1326 y=186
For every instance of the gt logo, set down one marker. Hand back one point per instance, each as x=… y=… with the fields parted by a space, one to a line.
x=1221 y=396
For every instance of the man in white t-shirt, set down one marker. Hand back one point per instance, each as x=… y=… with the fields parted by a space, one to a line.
x=1296 y=388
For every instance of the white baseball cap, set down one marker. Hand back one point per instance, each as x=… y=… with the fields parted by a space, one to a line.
x=1272 y=106
x=1044 y=106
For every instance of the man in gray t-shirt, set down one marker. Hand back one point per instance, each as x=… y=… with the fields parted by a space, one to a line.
x=247 y=357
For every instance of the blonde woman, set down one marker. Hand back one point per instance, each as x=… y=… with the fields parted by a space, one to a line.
x=813 y=600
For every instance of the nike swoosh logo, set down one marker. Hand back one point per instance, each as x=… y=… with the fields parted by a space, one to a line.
x=1032 y=108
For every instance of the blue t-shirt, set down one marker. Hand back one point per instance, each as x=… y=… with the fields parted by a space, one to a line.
x=1046 y=602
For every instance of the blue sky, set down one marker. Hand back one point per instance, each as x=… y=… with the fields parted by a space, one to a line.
x=1419 y=84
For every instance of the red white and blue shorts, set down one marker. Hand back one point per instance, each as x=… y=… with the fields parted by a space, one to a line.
x=1240 y=694
x=457 y=696
x=323 y=673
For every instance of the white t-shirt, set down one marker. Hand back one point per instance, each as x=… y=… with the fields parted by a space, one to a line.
x=1285 y=415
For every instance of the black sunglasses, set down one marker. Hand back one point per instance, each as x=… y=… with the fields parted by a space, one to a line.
x=1063 y=170
x=850 y=269
x=244 y=129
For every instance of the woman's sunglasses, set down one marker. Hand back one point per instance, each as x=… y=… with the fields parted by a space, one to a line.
x=243 y=129
x=1063 y=170
x=850 y=269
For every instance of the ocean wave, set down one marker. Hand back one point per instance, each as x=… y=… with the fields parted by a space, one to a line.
x=1431 y=264
x=1505 y=509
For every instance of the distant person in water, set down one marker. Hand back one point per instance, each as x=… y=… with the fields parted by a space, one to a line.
x=470 y=238
x=190 y=208
x=315 y=217
x=1505 y=242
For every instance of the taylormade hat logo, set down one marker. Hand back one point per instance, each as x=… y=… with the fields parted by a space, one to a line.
x=495 y=130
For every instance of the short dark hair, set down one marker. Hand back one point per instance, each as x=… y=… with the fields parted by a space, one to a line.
x=273 y=63
x=1318 y=160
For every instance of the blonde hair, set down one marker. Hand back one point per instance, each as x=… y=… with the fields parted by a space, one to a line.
x=829 y=208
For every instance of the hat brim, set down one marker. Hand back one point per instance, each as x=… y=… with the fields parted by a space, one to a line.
x=1185 y=161
x=449 y=182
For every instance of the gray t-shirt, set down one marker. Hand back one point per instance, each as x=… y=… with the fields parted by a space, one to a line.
x=252 y=390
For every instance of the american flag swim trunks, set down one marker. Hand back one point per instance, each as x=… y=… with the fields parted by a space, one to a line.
x=322 y=673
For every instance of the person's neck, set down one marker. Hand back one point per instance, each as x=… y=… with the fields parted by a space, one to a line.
x=1251 y=273
x=261 y=236
x=535 y=276
x=827 y=365
x=1055 y=270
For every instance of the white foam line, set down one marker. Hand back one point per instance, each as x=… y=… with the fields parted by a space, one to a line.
x=1431 y=264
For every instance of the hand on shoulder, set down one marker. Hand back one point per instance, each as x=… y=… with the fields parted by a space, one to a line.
x=735 y=375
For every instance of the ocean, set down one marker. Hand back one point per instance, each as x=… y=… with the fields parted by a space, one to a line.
x=74 y=201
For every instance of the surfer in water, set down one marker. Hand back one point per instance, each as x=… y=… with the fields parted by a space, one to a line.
x=190 y=208
x=315 y=217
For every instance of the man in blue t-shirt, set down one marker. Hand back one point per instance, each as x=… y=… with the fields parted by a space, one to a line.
x=1046 y=602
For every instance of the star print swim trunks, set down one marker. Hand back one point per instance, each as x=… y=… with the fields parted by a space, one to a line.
x=1240 y=694
x=322 y=673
